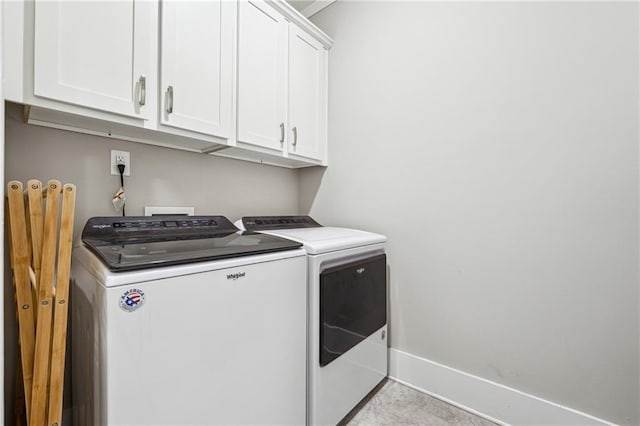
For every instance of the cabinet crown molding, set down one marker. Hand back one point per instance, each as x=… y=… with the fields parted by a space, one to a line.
x=292 y=15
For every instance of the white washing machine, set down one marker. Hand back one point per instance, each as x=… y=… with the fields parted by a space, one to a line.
x=185 y=321
x=347 y=347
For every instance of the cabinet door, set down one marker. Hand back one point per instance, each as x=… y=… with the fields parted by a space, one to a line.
x=96 y=54
x=262 y=45
x=197 y=65
x=307 y=100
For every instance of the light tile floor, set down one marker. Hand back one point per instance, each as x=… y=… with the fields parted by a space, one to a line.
x=396 y=404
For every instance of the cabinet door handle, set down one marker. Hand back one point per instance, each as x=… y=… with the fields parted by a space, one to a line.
x=143 y=90
x=169 y=99
x=295 y=136
x=281 y=132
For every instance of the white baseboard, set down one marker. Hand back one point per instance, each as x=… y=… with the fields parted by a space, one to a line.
x=493 y=401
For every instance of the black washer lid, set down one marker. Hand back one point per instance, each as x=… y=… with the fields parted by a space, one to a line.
x=264 y=223
x=141 y=242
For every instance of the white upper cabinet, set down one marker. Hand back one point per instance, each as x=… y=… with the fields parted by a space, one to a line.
x=282 y=84
x=262 y=75
x=196 y=65
x=307 y=95
x=96 y=54
x=245 y=79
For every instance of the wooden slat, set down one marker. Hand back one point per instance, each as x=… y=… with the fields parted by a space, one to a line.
x=19 y=402
x=26 y=215
x=34 y=231
x=61 y=305
x=8 y=232
x=34 y=282
x=20 y=263
x=39 y=399
x=36 y=224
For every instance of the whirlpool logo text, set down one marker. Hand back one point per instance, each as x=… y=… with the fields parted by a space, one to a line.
x=235 y=276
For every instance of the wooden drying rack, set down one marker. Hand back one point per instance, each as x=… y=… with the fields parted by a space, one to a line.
x=42 y=307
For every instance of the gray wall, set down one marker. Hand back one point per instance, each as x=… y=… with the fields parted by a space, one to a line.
x=496 y=145
x=160 y=176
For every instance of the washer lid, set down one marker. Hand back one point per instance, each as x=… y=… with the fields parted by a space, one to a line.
x=315 y=237
x=327 y=238
x=132 y=243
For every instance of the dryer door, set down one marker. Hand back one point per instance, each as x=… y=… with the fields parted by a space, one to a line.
x=353 y=305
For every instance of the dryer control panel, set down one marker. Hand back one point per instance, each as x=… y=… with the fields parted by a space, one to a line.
x=264 y=223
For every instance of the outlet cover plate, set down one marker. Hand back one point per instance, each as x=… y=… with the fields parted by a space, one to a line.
x=120 y=155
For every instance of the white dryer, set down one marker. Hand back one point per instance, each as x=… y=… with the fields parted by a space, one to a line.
x=347 y=312
x=185 y=321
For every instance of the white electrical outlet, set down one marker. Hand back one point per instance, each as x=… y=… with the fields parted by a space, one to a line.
x=120 y=157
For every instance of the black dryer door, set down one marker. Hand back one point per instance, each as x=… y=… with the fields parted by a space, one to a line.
x=353 y=305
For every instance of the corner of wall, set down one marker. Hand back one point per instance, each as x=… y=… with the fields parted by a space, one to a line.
x=309 y=181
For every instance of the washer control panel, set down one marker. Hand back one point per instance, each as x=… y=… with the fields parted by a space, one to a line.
x=147 y=224
x=104 y=228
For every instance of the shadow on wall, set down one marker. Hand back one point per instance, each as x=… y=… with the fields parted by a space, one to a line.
x=309 y=183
